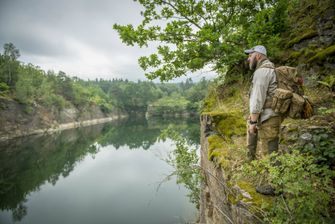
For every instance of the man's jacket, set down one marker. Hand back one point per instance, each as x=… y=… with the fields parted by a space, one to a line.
x=264 y=84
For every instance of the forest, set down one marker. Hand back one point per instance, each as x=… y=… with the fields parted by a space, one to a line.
x=30 y=85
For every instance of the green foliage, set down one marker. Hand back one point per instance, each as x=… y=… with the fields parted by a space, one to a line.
x=57 y=90
x=179 y=98
x=329 y=82
x=308 y=34
x=9 y=65
x=326 y=111
x=267 y=25
x=194 y=34
x=197 y=92
x=25 y=90
x=185 y=161
x=323 y=54
x=321 y=146
x=304 y=187
x=170 y=104
x=4 y=88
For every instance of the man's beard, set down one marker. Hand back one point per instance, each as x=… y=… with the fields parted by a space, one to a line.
x=253 y=64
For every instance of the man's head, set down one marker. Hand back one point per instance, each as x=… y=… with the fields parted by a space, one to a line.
x=255 y=55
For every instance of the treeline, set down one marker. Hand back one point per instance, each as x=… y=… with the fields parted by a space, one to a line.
x=30 y=85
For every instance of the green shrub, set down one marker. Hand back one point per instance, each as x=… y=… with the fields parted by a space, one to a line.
x=321 y=146
x=4 y=88
x=304 y=187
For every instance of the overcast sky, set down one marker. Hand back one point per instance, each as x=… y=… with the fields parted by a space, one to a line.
x=75 y=36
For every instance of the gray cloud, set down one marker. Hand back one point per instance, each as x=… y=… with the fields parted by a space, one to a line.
x=73 y=36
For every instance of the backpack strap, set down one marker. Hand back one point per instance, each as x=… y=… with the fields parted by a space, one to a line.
x=266 y=65
x=268 y=101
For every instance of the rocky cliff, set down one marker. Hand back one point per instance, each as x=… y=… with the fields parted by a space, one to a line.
x=20 y=120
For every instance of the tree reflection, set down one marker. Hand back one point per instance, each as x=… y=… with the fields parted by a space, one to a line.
x=28 y=163
x=19 y=212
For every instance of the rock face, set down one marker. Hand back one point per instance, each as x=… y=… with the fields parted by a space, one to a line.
x=20 y=120
x=220 y=201
x=311 y=37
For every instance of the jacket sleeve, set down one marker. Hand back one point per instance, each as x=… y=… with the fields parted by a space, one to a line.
x=260 y=84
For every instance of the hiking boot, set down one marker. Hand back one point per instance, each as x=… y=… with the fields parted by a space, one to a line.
x=266 y=190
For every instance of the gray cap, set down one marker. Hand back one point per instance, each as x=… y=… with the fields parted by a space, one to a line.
x=259 y=48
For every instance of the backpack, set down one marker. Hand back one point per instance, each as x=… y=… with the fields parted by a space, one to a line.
x=289 y=99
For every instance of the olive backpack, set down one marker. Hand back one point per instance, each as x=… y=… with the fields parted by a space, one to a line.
x=289 y=99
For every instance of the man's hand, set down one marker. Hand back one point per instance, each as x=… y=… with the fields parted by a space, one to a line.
x=252 y=128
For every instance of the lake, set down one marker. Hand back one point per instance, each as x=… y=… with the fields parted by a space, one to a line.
x=107 y=173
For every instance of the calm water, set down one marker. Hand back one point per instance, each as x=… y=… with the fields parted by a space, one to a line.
x=100 y=174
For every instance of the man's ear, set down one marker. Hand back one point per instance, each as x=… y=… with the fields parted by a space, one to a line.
x=259 y=56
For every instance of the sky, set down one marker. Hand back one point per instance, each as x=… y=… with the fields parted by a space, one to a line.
x=76 y=37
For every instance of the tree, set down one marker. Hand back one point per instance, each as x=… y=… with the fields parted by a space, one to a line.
x=11 y=51
x=194 y=34
x=9 y=64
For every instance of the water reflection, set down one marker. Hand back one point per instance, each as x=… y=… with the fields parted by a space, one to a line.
x=26 y=164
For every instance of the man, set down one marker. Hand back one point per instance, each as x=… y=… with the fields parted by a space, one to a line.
x=263 y=122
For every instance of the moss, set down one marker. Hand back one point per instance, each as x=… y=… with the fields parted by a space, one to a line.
x=228 y=124
x=321 y=55
x=256 y=198
x=209 y=103
x=218 y=151
x=295 y=54
x=232 y=125
x=233 y=199
x=307 y=35
x=215 y=146
x=308 y=52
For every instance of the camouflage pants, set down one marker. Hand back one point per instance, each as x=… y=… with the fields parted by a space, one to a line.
x=267 y=137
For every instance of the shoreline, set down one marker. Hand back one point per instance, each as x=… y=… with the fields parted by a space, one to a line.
x=60 y=127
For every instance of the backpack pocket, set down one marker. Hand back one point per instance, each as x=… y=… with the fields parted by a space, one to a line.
x=297 y=106
x=281 y=100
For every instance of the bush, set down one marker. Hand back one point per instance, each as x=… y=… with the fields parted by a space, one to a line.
x=4 y=88
x=304 y=187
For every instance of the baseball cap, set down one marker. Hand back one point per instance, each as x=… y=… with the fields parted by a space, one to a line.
x=259 y=48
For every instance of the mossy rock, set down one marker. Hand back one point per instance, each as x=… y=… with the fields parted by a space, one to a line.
x=258 y=200
x=323 y=54
x=228 y=124
x=306 y=35
x=295 y=54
